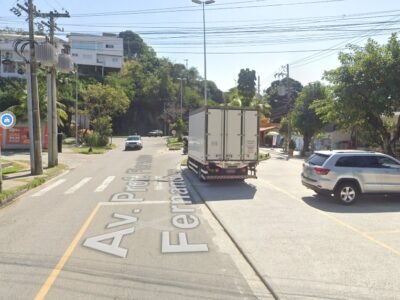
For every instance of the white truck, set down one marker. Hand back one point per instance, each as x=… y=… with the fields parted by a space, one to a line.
x=223 y=142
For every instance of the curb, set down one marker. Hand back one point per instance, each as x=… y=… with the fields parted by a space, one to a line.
x=248 y=259
x=25 y=188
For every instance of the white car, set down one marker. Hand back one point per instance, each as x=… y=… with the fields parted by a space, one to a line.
x=133 y=142
x=350 y=173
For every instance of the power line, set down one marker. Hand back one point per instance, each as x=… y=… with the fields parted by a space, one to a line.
x=191 y=8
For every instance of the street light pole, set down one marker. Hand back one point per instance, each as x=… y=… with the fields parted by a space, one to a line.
x=281 y=74
x=204 y=3
x=76 y=105
x=181 y=102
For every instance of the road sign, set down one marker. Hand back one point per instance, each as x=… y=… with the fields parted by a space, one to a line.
x=7 y=119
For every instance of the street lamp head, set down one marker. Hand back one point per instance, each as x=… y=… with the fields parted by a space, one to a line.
x=205 y=2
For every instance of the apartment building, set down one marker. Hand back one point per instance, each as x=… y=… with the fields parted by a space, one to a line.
x=12 y=65
x=102 y=52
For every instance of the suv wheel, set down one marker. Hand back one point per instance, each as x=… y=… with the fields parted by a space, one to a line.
x=347 y=193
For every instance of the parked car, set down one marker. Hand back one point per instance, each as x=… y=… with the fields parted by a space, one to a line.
x=347 y=174
x=133 y=142
x=155 y=133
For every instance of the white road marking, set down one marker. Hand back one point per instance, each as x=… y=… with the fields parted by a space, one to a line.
x=78 y=185
x=48 y=188
x=159 y=186
x=105 y=184
x=132 y=203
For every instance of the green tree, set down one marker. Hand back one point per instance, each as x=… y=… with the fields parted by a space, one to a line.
x=103 y=102
x=277 y=97
x=134 y=46
x=304 y=118
x=366 y=92
x=247 y=85
x=13 y=96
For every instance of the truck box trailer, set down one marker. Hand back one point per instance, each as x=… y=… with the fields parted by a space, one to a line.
x=223 y=142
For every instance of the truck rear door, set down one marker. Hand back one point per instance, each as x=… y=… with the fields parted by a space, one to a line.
x=215 y=134
x=233 y=134
x=250 y=135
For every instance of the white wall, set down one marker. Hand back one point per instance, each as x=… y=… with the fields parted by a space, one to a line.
x=106 y=51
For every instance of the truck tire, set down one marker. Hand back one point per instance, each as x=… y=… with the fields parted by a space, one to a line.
x=347 y=193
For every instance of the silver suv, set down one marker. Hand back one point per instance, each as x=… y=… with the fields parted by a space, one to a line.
x=349 y=173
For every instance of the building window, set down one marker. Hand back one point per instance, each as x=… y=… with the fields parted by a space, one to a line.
x=10 y=67
x=75 y=54
x=7 y=55
x=110 y=46
x=115 y=59
x=84 y=45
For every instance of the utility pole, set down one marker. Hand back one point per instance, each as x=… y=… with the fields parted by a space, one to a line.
x=281 y=74
x=52 y=91
x=258 y=86
x=289 y=108
x=181 y=102
x=33 y=96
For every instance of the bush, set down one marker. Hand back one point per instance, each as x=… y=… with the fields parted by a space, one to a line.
x=94 y=139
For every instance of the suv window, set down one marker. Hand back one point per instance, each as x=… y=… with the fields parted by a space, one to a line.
x=386 y=162
x=317 y=159
x=369 y=161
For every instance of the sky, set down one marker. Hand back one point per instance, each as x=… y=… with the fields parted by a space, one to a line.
x=262 y=35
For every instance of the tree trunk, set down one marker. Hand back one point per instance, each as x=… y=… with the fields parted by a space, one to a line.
x=387 y=145
x=306 y=144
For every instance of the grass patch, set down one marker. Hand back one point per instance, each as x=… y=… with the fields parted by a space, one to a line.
x=85 y=150
x=111 y=146
x=36 y=181
x=14 y=168
x=69 y=141
x=173 y=143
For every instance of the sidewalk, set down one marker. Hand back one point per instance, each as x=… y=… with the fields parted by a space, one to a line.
x=14 y=184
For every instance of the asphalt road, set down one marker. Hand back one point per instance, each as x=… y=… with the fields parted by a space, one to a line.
x=120 y=226
x=116 y=226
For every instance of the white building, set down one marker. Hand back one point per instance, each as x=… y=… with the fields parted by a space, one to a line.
x=105 y=51
x=12 y=65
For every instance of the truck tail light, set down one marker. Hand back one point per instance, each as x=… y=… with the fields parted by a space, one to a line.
x=321 y=171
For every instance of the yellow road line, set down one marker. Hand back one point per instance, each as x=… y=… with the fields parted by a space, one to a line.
x=340 y=222
x=382 y=232
x=67 y=254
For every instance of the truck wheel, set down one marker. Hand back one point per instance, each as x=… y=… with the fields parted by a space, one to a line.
x=347 y=193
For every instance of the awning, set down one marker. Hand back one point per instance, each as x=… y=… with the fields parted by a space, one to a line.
x=262 y=129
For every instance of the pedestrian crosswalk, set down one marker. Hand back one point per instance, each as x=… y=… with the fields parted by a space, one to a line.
x=76 y=186
x=49 y=188
x=105 y=184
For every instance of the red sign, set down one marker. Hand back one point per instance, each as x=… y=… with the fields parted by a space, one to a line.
x=18 y=136
x=13 y=136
